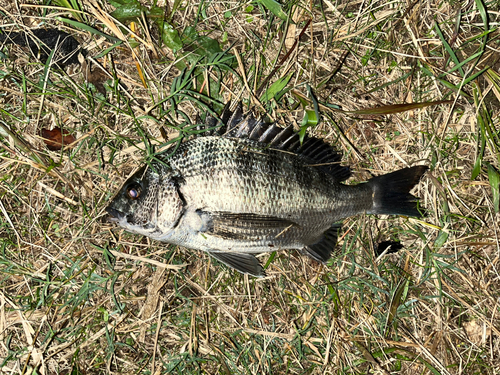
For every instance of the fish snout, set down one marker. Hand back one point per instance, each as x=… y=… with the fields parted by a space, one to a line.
x=115 y=214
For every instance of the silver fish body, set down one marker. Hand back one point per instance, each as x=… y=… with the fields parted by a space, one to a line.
x=240 y=194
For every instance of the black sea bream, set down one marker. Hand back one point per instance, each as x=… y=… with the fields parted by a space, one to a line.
x=250 y=187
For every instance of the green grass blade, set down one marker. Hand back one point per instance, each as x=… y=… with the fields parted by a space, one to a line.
x=397 y=108
x=450 y=85
x=494 y=178
x=88 y=28
x=448 y=49
x=465 y=62
x=475 y=75
x=484 y=14
x=276 y=88
x=275 y=8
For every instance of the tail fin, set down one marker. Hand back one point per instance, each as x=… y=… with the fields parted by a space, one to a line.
x=391 y=192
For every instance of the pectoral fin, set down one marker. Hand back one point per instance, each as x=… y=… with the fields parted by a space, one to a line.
x=247 y=226
x=242 y=262
x=249 y=220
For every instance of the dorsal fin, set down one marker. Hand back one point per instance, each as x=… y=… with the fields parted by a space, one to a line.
x=246 y=127
x=269 y=134
x=318 y=153
x=258 y=131
x=234 y=121
x=236 y=116
x=280 y=138
x=292 y=143
x=207 y=128
x=219 y=126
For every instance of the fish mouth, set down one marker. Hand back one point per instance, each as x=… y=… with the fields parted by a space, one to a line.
x=115 y=214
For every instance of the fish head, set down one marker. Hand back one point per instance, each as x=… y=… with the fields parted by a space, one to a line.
x=149 y=203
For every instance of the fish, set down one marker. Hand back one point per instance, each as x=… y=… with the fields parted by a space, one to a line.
x=42 y=42
x=245 y=186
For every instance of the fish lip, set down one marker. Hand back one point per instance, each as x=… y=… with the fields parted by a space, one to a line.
x=116 y=215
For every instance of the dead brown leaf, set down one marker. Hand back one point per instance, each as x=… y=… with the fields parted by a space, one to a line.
x=56 y=138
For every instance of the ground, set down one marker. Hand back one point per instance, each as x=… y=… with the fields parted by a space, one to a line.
x=78 y=295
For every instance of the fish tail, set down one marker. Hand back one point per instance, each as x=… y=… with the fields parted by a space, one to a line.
x=391 y=192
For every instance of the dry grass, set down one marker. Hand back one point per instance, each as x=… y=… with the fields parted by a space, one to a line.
x=79 y=296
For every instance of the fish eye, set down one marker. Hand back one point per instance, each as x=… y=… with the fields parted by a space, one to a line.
x=134 y=191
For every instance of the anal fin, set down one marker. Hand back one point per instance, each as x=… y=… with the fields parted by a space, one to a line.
x=322 y=250
x=242 y=262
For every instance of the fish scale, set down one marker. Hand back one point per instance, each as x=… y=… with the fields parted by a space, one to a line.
x=241 y=170
x=249 y=187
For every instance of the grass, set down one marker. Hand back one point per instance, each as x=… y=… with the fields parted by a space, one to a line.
x=80 y=296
